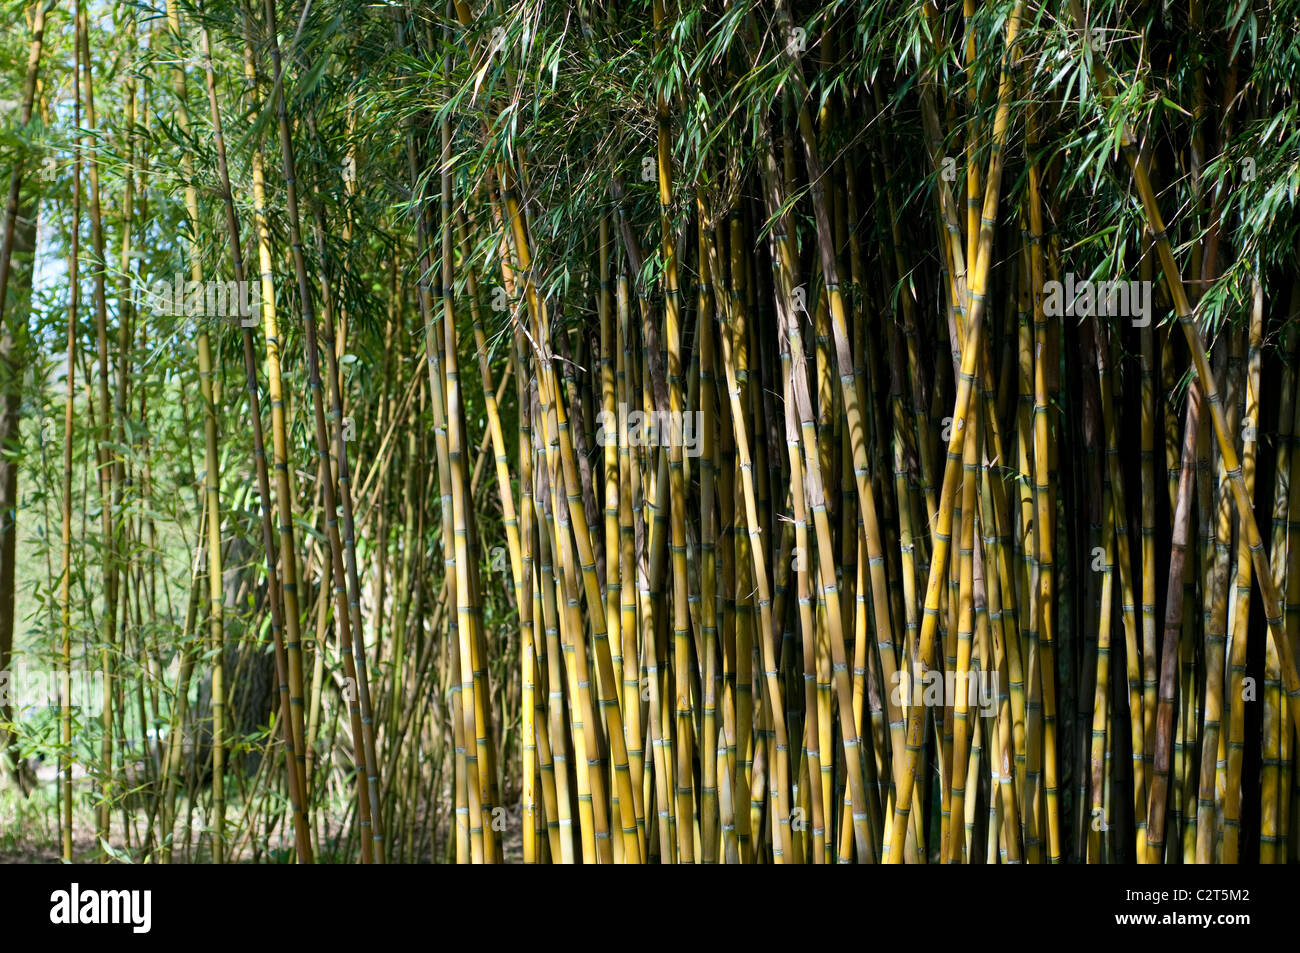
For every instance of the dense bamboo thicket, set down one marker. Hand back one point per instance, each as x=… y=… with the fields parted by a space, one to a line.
x=669 y=432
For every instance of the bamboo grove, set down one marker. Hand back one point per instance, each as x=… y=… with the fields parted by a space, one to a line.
x=677 y=432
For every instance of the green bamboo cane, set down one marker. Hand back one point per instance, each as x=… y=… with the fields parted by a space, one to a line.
x=1231 y=463
x=957 y=442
